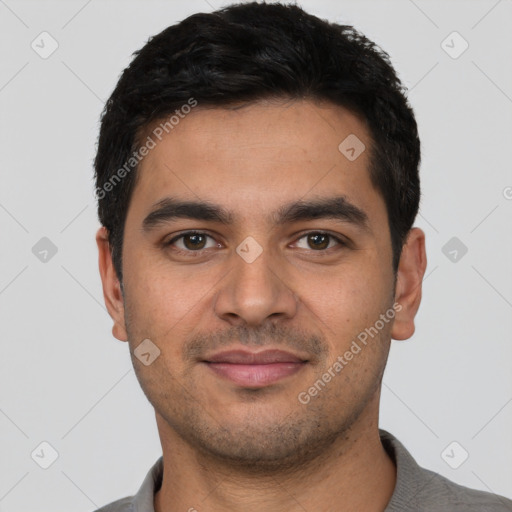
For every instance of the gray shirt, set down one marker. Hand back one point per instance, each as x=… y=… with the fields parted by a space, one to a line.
x=416 y=490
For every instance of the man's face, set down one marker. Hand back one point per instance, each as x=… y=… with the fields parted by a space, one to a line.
x=259 y=273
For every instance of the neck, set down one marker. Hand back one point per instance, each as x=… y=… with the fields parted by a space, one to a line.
x=355 y=473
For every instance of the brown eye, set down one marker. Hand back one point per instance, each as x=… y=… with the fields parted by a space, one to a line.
x=318 y=241
x=194 y=241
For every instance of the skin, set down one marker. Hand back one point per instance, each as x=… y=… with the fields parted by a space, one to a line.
x=232 y=448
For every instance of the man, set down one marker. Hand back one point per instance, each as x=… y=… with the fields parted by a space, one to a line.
x=257 y=179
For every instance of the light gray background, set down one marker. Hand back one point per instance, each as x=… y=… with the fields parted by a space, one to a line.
x=65 y=379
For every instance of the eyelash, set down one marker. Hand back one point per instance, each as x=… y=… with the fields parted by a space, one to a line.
x=198 y=252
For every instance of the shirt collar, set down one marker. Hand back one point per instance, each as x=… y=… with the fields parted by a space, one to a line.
x=408 y=472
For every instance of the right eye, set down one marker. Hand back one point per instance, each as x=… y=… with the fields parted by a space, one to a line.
x=192 y=241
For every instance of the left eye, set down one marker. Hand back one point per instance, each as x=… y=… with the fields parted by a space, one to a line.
x=318 y=241
x=193 y=242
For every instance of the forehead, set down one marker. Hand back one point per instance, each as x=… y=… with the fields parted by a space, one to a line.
x=253 y=157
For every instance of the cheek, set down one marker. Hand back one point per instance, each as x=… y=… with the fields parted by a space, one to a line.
x=161 y=297
x=350 y=298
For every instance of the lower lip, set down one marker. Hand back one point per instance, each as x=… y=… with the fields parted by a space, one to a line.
x=255 y=375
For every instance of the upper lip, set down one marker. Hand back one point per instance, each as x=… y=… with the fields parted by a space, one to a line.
x=247 y=357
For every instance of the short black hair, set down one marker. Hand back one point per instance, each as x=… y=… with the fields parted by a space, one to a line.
x=249 y=52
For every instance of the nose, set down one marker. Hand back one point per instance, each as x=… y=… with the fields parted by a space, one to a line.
x=254 y=292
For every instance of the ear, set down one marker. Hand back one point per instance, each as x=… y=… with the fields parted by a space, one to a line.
x=411 y=269
x=111 y=286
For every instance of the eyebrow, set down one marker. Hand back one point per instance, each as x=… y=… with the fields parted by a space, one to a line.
x=338 y=207
x=169 y=209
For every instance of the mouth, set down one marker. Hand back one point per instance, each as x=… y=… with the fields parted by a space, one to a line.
x=255 y=369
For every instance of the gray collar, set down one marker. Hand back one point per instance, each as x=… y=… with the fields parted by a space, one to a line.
x=415 y=489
